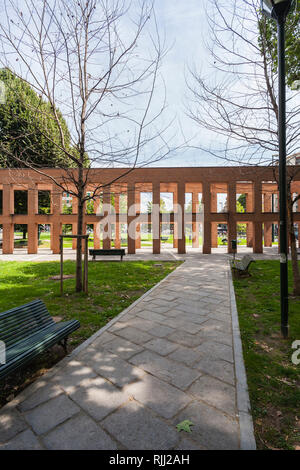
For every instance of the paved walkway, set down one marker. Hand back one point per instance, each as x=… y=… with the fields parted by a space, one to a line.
x=173 y=355
x=145 y=253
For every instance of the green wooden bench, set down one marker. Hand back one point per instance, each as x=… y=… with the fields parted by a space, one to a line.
x=27 y=331
x=242 y=266
x=108 y=252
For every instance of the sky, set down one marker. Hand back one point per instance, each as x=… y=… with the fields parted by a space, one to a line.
x=183 y=25
x=183 y=22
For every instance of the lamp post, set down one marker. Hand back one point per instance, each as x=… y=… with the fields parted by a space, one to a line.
x=279 y=9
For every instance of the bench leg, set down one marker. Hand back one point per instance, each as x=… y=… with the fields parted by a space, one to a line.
x=64 y=344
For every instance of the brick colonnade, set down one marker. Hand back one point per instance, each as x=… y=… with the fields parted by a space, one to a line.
x=201 y=183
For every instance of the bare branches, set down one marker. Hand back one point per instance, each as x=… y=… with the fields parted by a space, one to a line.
x=96 y=63
x=83 y=57
x=237 y=101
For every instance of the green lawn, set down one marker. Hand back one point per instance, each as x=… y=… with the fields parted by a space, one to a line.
x=273 y=380
x=113 y=286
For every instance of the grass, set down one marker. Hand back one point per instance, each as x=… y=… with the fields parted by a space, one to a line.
x=113 y=286
x=273 y=380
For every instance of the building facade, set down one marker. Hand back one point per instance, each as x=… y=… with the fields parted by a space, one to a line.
x=210 y=192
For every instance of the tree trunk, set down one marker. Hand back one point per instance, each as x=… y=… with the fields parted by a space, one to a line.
x=79 y=284
x=294 y=256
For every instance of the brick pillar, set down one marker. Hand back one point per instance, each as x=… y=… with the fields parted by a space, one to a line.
x=96 y=226
x=195 y=225
x=232 y=235
x=268 y=234
x=181 y=223
x=32 y=227
x=117 y=224
x=74 y=232
x=8 y=238
x=249 y=232
x=56 y=207
x=33 y=203
x=268 y=225
x=175 y=229
x=8 y=227
x=55 y=232
x=249 y=225
x=138 y=226
x=214 y=234
x=257 y=229
x=130 y=218
x=214 y=201
x=155 y=217
x=106 y=213
x=267 y=202
x=96 y=234
x=97 y=205
x=257 y=248
x=206 y=225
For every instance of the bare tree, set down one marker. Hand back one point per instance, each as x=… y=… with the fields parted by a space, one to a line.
x=236 y=101
x=97 y=61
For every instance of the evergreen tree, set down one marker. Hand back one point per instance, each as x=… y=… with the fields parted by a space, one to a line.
x=268 y=34
x=25 y=121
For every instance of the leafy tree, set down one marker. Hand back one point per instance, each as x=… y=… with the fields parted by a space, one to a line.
x=242 y=201
x=241 y=228
x=25 y=120
x=162 y=208
x=268 y=37
x=44 y=202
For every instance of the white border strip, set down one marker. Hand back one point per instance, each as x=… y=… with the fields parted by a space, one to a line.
x=247 y=439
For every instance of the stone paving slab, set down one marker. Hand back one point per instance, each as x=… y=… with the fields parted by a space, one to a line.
x=25 y=440
x=98 y=397
x=158 y=395
x=137 y=428
x=47 y=416
x=79 y=433
x=169 y=357
x=212 y=428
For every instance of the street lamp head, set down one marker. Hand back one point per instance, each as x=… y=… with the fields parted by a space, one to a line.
x=277 y=9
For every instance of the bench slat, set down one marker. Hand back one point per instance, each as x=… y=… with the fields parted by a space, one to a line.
x=29 y=330
x=107 y=252
x=22 y=357
x=113 y=251
x=9 y=321
x=33 y=304
x=31 y=341
x=17 y=323
x=243 y=264
x=26 y=333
